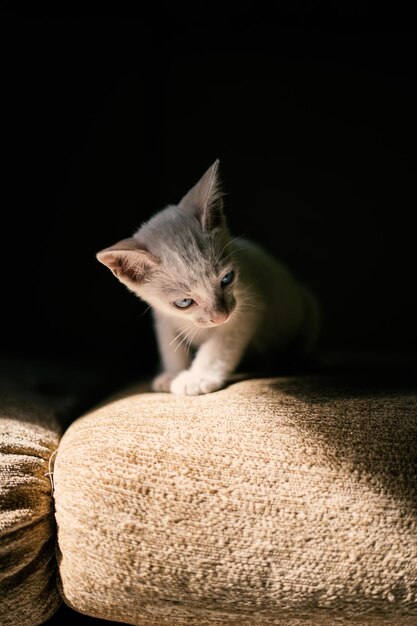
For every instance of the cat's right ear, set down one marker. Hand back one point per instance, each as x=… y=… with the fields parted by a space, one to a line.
x=205 y=199
x=129 y=261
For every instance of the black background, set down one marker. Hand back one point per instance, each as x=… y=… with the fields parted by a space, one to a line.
x=107 y=117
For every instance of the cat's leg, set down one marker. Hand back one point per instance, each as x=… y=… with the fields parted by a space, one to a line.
x=173 y=350
x=215 y=361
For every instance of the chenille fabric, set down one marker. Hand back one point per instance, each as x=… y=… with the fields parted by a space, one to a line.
x=276 y=501
x=29 y=436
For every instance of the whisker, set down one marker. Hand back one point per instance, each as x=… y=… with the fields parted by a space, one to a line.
x=229 y=243
x=246 y=296
x=191 y=340
x=230 y=254
x=146 y=310
x=218 y=256
x=242 y=305
x=182 y=331
x=183 y=339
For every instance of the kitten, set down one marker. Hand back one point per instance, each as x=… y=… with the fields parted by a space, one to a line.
x=217 y=295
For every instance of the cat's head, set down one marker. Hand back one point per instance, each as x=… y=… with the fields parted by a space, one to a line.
x=181 y=261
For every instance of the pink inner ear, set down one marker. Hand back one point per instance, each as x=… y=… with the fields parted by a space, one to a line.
x=204 y=200
x=110 y=258
x=127 y=265
x=130 y=271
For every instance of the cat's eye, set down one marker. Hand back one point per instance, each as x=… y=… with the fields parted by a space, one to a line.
x=227 y=278
x=184 y=303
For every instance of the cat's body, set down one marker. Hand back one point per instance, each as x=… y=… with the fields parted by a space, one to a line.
x=216 y=296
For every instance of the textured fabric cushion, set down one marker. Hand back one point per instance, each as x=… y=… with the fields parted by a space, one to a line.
x=274 y=501
x=28 y=438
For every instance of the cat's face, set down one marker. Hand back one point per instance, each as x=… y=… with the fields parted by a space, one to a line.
x=180 y=261
x=194 y=282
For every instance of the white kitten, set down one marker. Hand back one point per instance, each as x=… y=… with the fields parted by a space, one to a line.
x=219 y=296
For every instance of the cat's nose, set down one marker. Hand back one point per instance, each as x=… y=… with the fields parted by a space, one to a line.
x=219 y=317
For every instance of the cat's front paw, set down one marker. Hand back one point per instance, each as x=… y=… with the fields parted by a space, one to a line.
x=163 y=381
x=192 y=384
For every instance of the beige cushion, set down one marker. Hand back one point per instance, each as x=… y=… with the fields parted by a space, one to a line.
x=274 y=501
x=28 y=438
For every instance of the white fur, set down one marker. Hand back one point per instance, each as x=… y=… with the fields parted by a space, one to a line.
x=183 y=252
x=272 y=310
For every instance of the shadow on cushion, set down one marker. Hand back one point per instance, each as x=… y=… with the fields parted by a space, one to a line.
x=29 y=436
x=274 y=501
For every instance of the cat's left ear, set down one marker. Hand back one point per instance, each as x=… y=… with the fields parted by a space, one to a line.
x=205 y=199
x=129 y=261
